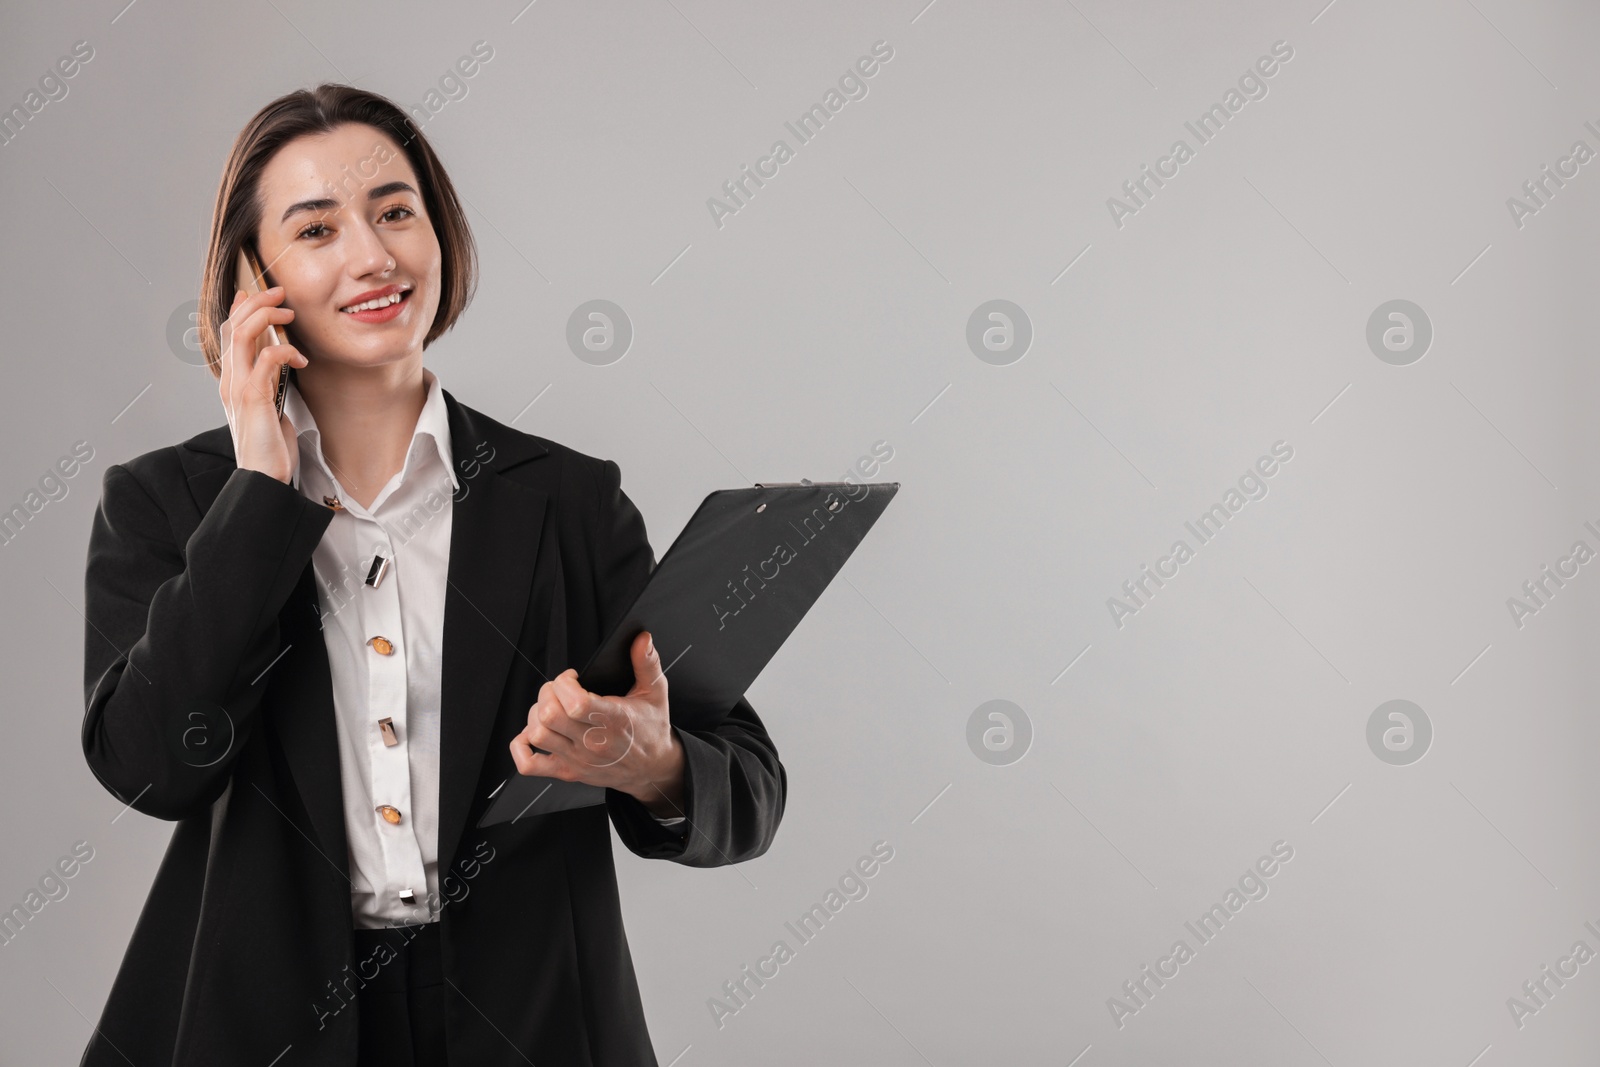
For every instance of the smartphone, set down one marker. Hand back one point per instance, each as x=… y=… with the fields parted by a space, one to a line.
x=253 y=279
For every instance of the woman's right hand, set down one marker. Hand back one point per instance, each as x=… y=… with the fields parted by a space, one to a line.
x=262 y=439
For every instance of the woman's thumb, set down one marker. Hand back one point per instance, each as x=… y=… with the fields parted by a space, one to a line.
x=648 y=665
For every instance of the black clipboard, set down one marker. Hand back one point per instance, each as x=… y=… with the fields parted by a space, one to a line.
x=729 y=591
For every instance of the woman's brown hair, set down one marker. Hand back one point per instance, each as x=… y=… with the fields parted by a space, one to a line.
x=237 y=213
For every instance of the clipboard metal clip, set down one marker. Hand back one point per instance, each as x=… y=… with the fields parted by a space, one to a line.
x=801 y=482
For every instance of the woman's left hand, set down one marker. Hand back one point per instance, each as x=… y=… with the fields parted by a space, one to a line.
x=624 y=743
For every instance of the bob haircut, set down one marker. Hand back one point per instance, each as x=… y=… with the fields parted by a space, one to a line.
x=237 y=212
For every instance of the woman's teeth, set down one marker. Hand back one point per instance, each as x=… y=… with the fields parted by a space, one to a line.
x=382 y=301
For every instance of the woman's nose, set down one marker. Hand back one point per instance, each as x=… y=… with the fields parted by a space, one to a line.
x=368 y=254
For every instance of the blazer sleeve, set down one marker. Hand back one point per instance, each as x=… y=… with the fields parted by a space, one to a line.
x=177 y=635
x=734 y=783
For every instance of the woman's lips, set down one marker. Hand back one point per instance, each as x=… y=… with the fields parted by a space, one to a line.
x=383 y=314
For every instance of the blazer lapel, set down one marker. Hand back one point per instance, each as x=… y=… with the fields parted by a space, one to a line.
x=494 y=542
x=495 y=537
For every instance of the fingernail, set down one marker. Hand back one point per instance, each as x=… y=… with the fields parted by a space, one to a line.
x=650 y=643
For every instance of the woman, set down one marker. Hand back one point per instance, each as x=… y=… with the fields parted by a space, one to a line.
x=318 y=641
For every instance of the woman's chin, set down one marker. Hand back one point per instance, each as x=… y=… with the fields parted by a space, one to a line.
x=346 y=360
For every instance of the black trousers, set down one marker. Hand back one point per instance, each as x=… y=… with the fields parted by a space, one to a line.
x=401 y=1010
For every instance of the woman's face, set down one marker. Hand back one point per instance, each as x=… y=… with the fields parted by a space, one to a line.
x=343 y=218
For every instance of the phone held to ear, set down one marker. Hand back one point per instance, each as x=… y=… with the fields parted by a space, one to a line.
x=252 y=279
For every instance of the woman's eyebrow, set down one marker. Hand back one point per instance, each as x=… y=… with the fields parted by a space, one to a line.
x=328 y=203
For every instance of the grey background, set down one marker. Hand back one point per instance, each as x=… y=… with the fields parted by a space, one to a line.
x=830 y=313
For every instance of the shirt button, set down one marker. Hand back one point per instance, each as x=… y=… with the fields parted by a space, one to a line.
x=391 y=814
x=381 y=645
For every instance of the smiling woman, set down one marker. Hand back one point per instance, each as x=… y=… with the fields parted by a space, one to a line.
x=373 y=160
x=372 y=719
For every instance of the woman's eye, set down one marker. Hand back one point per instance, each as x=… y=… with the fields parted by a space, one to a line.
x=316 y=229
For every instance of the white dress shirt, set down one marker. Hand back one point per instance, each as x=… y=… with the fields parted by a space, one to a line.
x=394 y=865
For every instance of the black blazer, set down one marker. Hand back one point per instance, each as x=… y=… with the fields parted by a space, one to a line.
x=209 y=704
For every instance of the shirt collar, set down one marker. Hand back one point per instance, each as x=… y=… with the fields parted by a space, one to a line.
x=433 y=422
